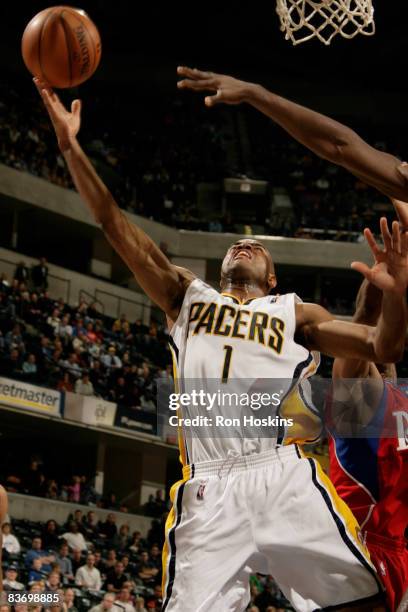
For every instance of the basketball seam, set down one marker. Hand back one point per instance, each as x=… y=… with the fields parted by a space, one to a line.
x=64 y=27
x=44 y=76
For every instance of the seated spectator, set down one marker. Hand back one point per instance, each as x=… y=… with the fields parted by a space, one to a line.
x=110 y=360
x=65 y=562
x=74 y=493
x=88 y=576
x=146 y=571
x=140 y=605
x=74 y=538
x=115 y=578
x=71 y=365
x=76 y=560
x=90 y=524
x=37 y=552
x=10 y=583
x=22 y=273
x=53 y=582
x=50 y=538
x=124 y=598
x=137 y=544
x=99 y=562
x=83 y=385
x=65 y=384
x=10 y=542
x=123 y=538
x=155 y=556
x=11 y=365
x=69 y=600
x=108 y=528
x=65 y=328
x=76 y=516
x=54 y=321
x=111 y=559
x=156 y=598
x=39 y=275
x=106 y=604
x=30 y=366
x=14 y=339
x=37 y=571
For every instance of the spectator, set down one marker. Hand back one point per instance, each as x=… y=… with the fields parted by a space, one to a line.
x=54 y=321
x=53 y=582
x=90 y=524
x=10 y=542
x=88 y=576
x=69 y=600
x=111 y=361
x=83 y=385
x=76 y=559
x=74 y=538
x=115 y=578
x=139 y=605
x=65 y=328
x=156 y=598
x=111 y=559
x=10 y=583
x=146 y=570
x=123 y=539
x=125 y=601
x=34 y=480
x=74 y=492
x=49 y=536
x=105 y=605
x=65 y=384
x=65 y=562
x=37 y=571
x=39 y=275
x=37 y=552
x=108 y=529
x=30 y=366
x=22 y=273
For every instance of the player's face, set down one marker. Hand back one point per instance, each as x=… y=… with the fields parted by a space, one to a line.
x=248 y=260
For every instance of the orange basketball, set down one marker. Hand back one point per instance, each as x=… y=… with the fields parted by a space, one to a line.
x=62 y=46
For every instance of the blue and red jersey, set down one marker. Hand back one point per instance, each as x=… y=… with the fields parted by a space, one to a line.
x=370 y=472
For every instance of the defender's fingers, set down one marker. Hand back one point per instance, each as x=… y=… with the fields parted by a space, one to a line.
x=396 y=237
x=193 y=73
x=385 y=233
x=202 y=85
x=375 y=249
x=215 y=99
x=401 y=208
x=404 y=243
x=361 y=267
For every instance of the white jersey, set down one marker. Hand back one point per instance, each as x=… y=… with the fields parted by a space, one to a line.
x=220 y=344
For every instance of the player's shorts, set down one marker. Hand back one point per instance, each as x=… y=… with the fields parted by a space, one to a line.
x=390 y=557
x=274 y=513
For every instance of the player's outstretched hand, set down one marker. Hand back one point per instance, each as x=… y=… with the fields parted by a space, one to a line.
x=390 y=269
x=66 y=124
x=227 y=89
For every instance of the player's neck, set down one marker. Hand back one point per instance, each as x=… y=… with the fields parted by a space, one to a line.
x=243 y=290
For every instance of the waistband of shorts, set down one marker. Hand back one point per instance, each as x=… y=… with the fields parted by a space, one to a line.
x=241 y=463
x=377 y=539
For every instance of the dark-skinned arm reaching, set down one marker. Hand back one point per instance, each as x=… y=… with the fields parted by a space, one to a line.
x=163 y=282
x=327 y=138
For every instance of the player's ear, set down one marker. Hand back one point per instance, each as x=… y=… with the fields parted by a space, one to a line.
x=272 y=282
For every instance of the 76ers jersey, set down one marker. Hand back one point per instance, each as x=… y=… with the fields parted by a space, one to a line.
x=220 y=343
x=371 y=474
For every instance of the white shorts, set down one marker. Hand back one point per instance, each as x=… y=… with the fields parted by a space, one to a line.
x=274 y=513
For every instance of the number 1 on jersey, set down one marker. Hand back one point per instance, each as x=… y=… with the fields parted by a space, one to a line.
x=227 y=363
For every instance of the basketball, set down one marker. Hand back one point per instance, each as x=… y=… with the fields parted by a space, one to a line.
x=62 y=46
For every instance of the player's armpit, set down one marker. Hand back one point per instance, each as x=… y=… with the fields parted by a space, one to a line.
x=318 y=330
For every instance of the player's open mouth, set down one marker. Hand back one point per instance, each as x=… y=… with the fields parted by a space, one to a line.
x=243 y=254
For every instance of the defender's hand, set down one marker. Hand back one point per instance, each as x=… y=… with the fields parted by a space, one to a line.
x=227 y=89
x=66 y=124
x=390 y=270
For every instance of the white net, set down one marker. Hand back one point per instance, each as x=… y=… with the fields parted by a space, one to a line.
x=302 y=20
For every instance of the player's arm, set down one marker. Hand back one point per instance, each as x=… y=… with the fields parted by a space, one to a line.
x=368 y=309
x=326 y=137
x=164 y=283
x=383 y=343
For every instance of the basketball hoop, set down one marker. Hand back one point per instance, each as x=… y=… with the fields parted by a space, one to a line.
x=302 y=20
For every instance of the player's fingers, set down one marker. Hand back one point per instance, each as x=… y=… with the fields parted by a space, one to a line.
x=193 y=73
x=385 y=233
x=396 y=237
x=401 y=208
x=375 y=249
x=404 y=243
x=403 y=169
x=76 y=107
x=201 y=85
